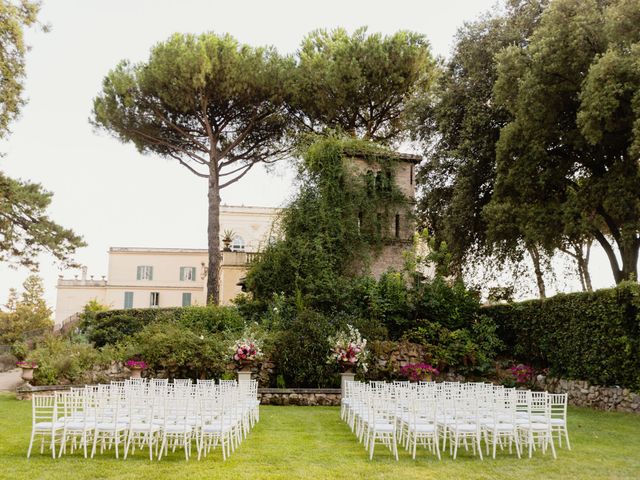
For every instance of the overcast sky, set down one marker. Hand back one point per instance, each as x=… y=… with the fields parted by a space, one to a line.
x=108 y=192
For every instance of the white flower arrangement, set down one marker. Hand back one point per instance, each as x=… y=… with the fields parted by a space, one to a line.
x=349 y=349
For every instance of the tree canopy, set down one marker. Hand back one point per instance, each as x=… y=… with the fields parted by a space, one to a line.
x=208 y=102
x=15 y=16
x=361 y=83
x=567 y=161
x=25 y=228
x=459 y=124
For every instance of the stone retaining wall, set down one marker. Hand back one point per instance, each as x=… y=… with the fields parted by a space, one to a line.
x=583 y=394
x=300 y=396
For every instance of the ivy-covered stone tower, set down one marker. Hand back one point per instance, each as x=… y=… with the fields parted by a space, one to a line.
x=390 y=178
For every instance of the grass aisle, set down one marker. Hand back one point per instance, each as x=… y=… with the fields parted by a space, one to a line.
x=312 y=442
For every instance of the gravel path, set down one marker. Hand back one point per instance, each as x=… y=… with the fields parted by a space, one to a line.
x=11 y=379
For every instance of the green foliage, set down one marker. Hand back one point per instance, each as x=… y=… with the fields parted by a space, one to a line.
x=26 y=317
x=178 y=351
x=587 y=336
x=62 y=361
x=361 y=83
x=329 y=231
x=459 y=125
x=468 y=350
x=15 y=16
x=113 y=326
x=26 y=230
x=567 y=160
x=301 y=351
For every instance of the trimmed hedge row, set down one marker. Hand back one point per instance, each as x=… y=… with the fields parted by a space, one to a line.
x=591 y=336
x=110 y=327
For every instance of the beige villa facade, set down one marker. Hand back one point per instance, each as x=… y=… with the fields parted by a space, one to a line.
x=169 y=277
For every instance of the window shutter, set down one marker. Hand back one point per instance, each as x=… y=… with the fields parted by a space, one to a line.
x=150 y=273
x=128 y=299
x=193 y=274
x=181 y=274
x=186 y=299
x=139 y=273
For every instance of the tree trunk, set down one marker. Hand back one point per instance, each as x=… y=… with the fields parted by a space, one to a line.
x=213 y=233
x=628 y=254
x=583 y=266
x=535 y=257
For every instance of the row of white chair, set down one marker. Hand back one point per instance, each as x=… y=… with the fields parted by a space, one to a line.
x=139 y=414
x=463 y=414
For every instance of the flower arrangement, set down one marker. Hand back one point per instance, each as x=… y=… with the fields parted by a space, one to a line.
x=349 y=349
x=136 y=364
x=417 y=372
x=246 y=350
x=27 y=364
x=522 y=373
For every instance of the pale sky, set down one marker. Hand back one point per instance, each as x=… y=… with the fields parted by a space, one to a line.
x=109 y=193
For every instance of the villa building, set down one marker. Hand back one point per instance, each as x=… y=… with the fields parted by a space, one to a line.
x=169 y=277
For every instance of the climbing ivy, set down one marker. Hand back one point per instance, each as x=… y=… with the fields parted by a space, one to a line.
x=339 y=218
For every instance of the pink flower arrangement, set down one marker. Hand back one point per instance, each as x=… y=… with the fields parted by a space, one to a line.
x=245 y=351
x=26 y=364
x=136 y=364
x=417 y=372
x=522 y=373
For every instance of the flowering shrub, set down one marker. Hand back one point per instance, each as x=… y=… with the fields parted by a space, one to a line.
x=25 y=364
x=349 y=349
x=417 y=372
x=136 y=364
x=522 y=373
x=246 y=349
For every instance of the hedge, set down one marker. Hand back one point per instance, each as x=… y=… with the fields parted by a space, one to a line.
x=592 y=336
x=110 y=327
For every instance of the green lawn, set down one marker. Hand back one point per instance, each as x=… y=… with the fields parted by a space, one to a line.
x=312 y=442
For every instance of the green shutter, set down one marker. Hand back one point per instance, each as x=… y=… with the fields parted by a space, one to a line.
x=139 y=274
x=128 y=299
x=181 y=274
x=186 y=299
x=193 y=273
x=150 y=273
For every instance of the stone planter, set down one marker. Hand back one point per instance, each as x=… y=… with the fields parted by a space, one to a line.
x=27 y=373
x=135 y=372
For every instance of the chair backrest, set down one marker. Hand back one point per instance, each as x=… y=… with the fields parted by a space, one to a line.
x=44 y=408
x=558 y=405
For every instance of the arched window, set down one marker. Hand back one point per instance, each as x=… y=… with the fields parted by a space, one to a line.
x=238 y=244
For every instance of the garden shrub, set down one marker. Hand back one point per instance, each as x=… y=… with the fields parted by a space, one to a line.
x=177 y=351
x=465 y=350
x=113 y=326
x=592 y=336
x=302 y=348
x=62 y=361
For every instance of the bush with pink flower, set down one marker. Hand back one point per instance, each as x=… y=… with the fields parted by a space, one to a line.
x=349 y=349
x=27 y=364
x=522 y=373
x=419 y=372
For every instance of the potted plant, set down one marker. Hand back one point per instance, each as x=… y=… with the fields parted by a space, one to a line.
x=227 y=239
x=27 y=369
x=419 y=372
x=136 y=367
x=349 y=350
x=245 y=352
